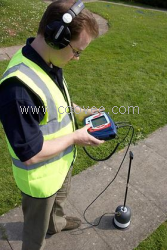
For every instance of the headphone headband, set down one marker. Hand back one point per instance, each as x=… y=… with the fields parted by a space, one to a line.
x=57 y=34
x=76 y=8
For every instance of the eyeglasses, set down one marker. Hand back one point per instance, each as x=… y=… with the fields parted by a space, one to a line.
x=75 y=52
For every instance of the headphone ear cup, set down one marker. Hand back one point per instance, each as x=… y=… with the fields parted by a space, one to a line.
x=51 y=32
x=64 y=39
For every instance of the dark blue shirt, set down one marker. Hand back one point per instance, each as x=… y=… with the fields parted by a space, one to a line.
x=22 y=129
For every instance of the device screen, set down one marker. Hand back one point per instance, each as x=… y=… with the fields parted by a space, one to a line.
x=99 y=121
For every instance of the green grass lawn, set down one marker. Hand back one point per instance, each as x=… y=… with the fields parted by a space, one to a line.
x=17 y=21
x=125 y=67
x=156 y=241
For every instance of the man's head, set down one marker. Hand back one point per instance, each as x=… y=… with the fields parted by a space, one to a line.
x=83 y=29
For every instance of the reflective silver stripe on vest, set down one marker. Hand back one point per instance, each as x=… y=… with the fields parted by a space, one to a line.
x=37 y=80
x=21 y=165
x=53 y=125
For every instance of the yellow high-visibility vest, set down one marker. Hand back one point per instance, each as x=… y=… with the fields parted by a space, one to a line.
x=45 y=178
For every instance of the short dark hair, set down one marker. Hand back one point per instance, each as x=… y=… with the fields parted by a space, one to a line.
x=85 y=19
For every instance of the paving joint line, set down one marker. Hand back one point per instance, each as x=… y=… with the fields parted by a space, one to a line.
x=10 y=245
x=7 y=55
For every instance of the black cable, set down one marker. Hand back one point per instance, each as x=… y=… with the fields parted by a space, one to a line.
x=122 y=122
x=129 y=125
x=130 y=128
x=106 y=158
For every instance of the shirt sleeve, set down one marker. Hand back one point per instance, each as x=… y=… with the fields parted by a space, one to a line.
x=20 y=122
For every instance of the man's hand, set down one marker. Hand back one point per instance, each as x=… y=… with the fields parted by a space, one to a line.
x=83 y=138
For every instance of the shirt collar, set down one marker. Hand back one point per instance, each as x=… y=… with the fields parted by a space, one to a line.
x=32 y=54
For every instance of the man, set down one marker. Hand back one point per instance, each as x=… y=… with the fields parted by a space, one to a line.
x=41 y=137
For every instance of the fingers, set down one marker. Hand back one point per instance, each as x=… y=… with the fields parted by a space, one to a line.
x=94 y=141
x=83 y=138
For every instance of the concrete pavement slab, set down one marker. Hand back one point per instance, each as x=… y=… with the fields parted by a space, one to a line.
x=157 y=141
x=7 y=53
x=4 y=244
x=149 y=171
x=12 y=223
x=146 y=198
x=3 y=56
x=146 y=216
x=10 y=51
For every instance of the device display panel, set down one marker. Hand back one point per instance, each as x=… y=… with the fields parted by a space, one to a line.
x=99 y=121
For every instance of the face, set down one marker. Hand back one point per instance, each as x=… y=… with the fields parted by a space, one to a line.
x=61 y=57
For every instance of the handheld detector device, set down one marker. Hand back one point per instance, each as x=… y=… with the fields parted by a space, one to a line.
x=102 y=126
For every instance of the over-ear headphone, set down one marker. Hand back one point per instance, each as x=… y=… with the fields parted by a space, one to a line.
x=57 y=34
